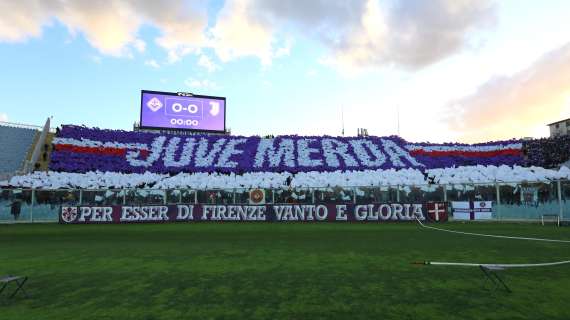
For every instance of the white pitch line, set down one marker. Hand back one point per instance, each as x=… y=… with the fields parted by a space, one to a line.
x=494 y=266
x=497 y=265
x=492 y=236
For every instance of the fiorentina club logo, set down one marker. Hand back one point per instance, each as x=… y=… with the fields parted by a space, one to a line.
x=69 y=214
x=437 y=211
x=257 y=196
x=154 y=104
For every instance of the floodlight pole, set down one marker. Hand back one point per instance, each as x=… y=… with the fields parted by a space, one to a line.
x=32 y=204
x=498 y=191
x=342 y=118
x=398 y=118
x=561 y=212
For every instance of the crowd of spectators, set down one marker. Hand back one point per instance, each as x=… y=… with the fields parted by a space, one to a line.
x=547 y=152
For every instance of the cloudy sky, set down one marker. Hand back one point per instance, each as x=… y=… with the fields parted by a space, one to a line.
x=453 y=70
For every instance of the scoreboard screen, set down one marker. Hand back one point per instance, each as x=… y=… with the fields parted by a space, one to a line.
x=167 y=110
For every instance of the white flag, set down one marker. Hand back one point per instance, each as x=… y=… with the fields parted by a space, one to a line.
x=461 y=210
x=483 y=210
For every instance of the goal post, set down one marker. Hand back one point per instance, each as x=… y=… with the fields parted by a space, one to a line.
x=547 y=218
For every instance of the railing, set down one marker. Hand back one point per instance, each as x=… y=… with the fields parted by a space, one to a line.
x=20 y=125
x=24 y=126
x=511 y=201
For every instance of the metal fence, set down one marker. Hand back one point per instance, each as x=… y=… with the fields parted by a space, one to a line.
x=511 y=201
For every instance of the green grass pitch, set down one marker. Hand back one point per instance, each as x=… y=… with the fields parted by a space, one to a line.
x=279 y=271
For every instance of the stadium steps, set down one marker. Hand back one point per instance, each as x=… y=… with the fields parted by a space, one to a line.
x=32 y=146
x=44 y=162
x=15 y=144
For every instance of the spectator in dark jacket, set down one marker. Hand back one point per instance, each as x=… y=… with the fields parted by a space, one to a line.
x=16 y=208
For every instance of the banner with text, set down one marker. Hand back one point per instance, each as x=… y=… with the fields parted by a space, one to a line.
x=385 y=212
x=80 y=149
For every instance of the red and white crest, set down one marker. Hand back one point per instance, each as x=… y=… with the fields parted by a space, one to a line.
x=437 y=211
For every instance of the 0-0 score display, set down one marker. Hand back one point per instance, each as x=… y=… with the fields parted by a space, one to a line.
x=173 y=111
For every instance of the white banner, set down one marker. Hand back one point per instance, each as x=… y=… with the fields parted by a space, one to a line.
x=483 y=210
x=475 y=210
x=461 y=210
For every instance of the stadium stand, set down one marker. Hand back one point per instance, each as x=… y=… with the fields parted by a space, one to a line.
x=81 y=149
x=106 y=155
x=547 y=152
x=522 y=178
x=15 y=142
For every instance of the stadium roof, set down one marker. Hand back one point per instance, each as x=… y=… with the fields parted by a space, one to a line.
x=558 y=122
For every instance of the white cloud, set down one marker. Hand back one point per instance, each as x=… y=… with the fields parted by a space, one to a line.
x=517 y=105
x=356 y=33
x=23 y=19
x=3 y=117
x=152 y=63
x=182 y=23
x=206 y=62
x=109 y=26
x=139 y=45
x=236 y=34
x=413 y=34
x=201 y=84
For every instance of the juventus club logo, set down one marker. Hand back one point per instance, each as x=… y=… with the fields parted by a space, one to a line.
x=214 y=108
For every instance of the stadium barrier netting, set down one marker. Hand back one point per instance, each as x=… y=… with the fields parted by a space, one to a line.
x=510 y=201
